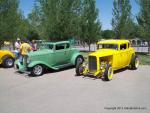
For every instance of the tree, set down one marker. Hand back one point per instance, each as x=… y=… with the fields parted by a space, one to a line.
x=58 y=18
x=65 y=19
x=35 y=26
x=144 y=20
x=10 y=20
x=23 y=27
x=90 y=27
x=108 y=34
x=121 y=18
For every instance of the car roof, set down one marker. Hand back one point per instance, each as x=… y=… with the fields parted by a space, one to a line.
x=60 y=42
x=113 y=41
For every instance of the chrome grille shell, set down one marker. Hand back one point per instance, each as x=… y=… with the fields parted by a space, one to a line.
x=92 y=65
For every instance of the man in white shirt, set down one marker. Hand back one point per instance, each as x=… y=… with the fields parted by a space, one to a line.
x=17 y=47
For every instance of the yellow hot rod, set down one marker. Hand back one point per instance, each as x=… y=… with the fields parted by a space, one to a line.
x=110 y=55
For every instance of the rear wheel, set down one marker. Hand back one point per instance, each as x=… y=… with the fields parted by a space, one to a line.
x=79 y=69
x=134 y=62
x=37 y=70
x=8 y=62
x=108 y=74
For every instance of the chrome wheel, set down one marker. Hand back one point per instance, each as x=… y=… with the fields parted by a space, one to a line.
x=37 y=70
x=9 y=62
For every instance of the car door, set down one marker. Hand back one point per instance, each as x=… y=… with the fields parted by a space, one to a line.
x=116 y=59
x=123 y=55
x=60 y=54
x=68 y=52
x=129 y=53
x=49 y=56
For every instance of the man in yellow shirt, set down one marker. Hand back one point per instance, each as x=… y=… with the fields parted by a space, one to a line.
x=25 y=48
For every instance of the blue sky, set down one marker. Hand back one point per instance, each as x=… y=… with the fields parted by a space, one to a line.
x=104 y=6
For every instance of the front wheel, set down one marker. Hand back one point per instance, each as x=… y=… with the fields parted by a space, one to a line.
x=79 y=69
x=8 y=62
x=79 y=60
x=108 y=74
x=37 y=70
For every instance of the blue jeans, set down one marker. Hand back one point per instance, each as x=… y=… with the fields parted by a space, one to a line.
x=23 y=59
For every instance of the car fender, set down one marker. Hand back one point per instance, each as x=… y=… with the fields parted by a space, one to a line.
x=7 y=53
x=32 y=64
x=6 y=56
x=74 y=56
x=16 y=61
x=20 y=66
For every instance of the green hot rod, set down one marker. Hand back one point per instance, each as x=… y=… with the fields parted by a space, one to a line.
x=51 y=55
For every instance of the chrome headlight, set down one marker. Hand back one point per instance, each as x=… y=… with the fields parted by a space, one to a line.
x=85 y=64
x=103 y=65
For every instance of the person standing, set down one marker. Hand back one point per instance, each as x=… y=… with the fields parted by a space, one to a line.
x=25 y=48
x=17 y=47
x=34 y=45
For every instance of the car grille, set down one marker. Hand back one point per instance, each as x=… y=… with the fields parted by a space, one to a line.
x=92 y=63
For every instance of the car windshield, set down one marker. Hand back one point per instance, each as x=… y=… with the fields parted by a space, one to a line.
x=107 y=46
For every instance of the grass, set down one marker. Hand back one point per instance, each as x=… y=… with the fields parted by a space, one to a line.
x=144 y=59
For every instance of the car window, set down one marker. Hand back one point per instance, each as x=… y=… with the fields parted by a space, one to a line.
x=47 y=46
x=50 y=46
x=60 y=46
x=107 y=46
x=123 y=47
x=67 y=45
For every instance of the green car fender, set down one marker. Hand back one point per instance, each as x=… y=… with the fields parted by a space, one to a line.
x=74 y=56
x=34 y=63
x=20 y=66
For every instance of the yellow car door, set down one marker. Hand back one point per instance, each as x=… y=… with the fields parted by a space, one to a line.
x=124 y=54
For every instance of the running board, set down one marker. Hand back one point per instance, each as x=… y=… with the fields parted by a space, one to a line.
x=63 y=66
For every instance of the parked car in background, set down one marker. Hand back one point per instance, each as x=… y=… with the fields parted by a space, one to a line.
x=51 y=55
x=7 y=58
x=110 y=55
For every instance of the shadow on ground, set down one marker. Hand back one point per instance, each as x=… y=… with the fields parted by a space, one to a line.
x=48 y=71
x=102 y=78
